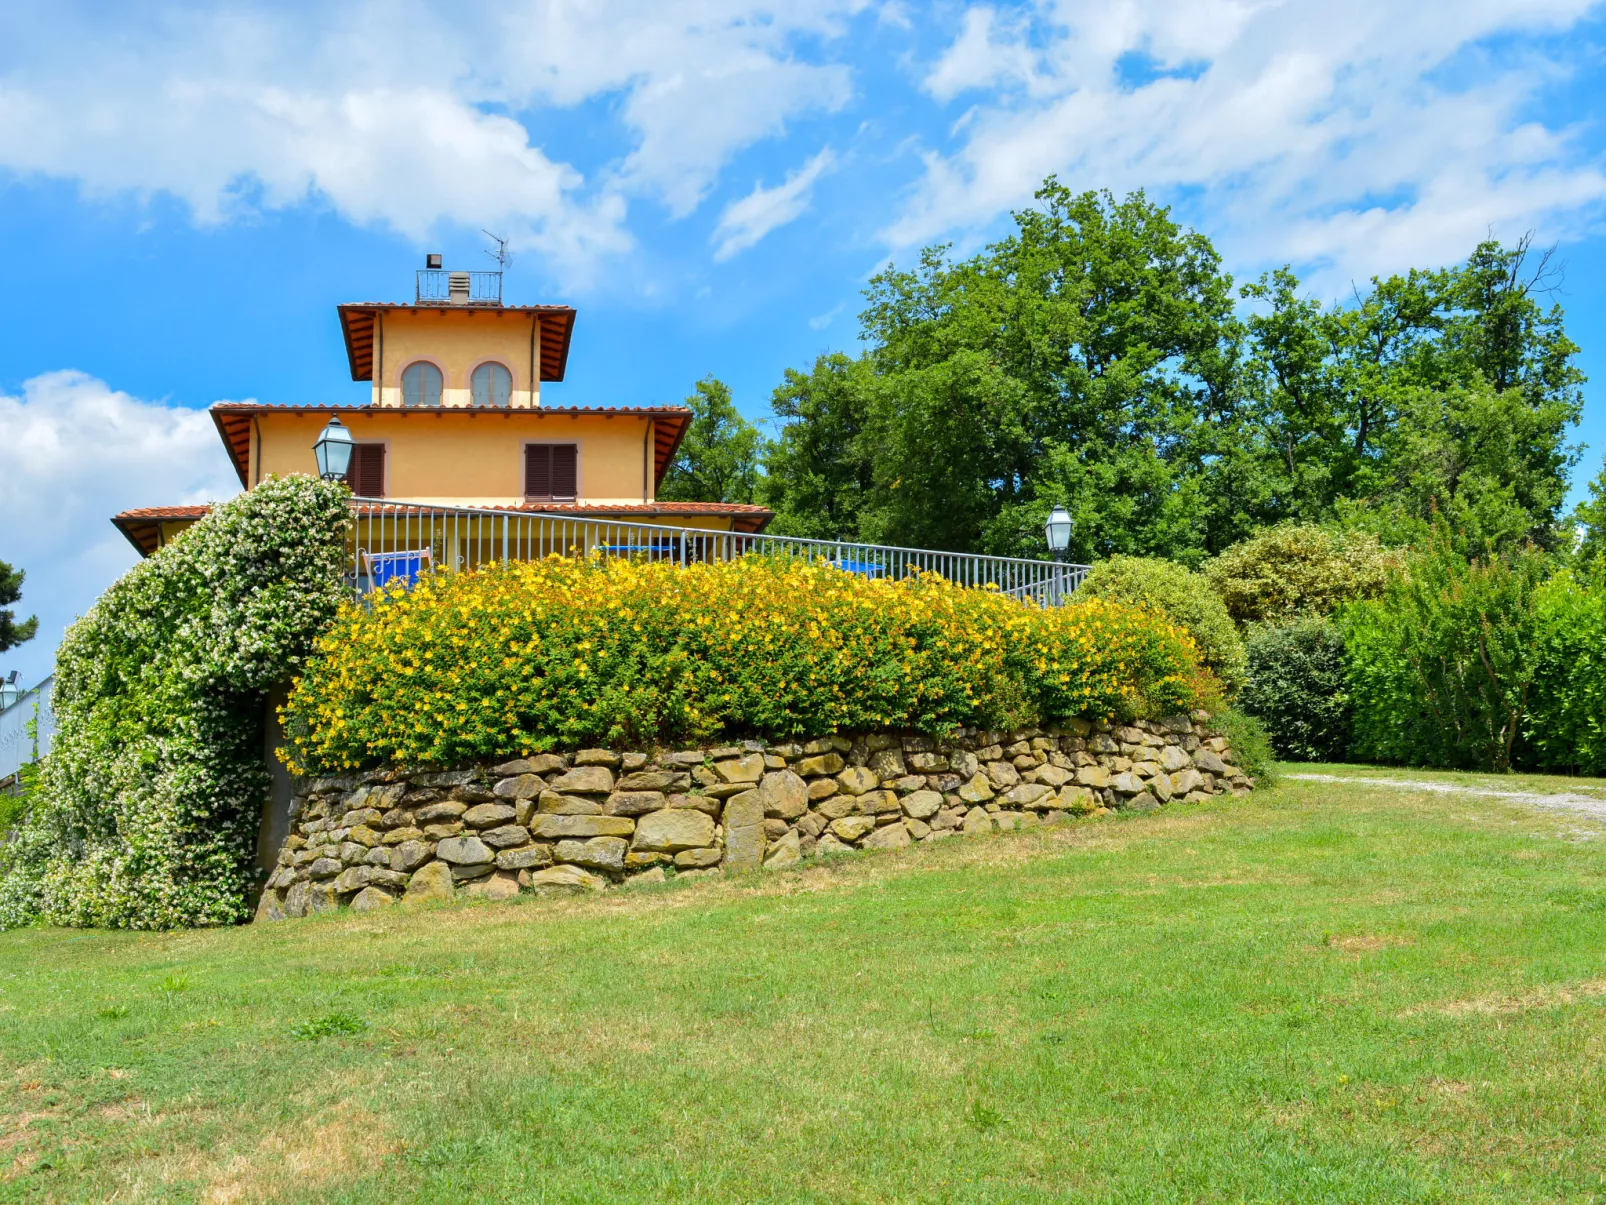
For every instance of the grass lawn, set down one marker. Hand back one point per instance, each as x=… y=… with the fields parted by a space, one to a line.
x=1326 y=992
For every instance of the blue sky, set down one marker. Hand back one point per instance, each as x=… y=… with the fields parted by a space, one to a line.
x=187 y=191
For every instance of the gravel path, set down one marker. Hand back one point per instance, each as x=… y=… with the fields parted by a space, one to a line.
x=1563 y=801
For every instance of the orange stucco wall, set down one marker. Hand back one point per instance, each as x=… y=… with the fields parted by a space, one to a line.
x=456 y=342
x=443 y=457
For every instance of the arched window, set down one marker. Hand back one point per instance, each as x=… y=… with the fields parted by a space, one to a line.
x=491 y=385
x=421 y=385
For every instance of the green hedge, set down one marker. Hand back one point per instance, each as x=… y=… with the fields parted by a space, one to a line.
x=147 y=811
x=1299 y=688
x=1442 y=667
x=1566 y=728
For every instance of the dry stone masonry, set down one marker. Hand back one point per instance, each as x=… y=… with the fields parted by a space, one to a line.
x=577 y=823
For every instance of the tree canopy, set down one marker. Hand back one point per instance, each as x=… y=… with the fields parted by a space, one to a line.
x=717 y=461
x=12 y=631
x=1099 y=357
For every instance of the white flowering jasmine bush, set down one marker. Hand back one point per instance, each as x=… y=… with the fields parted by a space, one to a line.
x=147 y=808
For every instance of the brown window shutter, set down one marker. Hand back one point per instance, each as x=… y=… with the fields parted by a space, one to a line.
x=366 y=476
x=565 y=472
x=538 y=471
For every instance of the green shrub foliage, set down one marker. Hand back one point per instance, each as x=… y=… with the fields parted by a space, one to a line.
x=1251 y=743
x=1182 y=596
x=1298 y=569
x=1442 y=666
x=147 y=810
x=1299 y=688
x=1566 y=727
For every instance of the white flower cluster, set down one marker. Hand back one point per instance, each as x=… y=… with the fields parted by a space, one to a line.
x=147 y=808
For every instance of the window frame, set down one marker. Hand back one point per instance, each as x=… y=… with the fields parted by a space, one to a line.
x=419 y=363
x=493 y=363
x=579 y=484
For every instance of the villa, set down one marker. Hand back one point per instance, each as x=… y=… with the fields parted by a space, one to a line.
x=455 y=420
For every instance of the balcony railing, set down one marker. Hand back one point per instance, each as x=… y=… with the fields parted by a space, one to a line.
x=445 y=287
x=399 y=539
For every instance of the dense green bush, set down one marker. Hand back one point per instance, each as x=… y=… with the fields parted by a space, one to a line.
x=1182 y=596
x=1442 y=666
x=1298 y=686
x=1566 y=727
x=1298 y=569
x=147 y=810
x=565 y=653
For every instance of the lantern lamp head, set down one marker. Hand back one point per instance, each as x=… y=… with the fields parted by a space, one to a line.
x=333 y=450
x=1057 y=530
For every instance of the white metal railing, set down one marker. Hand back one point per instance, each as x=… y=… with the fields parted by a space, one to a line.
x=401 y=539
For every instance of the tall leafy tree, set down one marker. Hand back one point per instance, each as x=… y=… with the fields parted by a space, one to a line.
x=1097 y=358
x=718 y=459
x=13 y=632
x=820 y=472
x=1444 y=392
x=1083 y=360
x=1589 y=526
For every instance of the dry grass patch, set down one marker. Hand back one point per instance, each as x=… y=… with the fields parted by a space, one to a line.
x=292 y=1162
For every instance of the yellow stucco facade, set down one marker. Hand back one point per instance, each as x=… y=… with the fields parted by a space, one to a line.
x=457 y=453
x=457 y=342
x=454 y=457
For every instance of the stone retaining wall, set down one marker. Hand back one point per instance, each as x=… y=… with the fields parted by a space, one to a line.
x=582 y=821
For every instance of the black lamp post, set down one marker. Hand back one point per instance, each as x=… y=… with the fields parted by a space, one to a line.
x=333 y=451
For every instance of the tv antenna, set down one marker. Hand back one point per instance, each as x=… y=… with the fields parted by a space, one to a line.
x=501 y=255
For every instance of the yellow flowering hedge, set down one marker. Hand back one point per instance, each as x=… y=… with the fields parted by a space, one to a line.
x=563 y=653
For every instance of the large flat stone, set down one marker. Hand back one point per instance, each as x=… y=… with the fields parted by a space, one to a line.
x=851 y=828
x=508 y=836
x=744 y=831
x=431 y=882
x=489 y=815
x=649 y=780
x=524 y=786
x=922 y=805
x=370 y=898
x=553 y=828
x=634 y=803
x=585 y=780
x=464 y=851
x=785 y=796
x=856 y=780
x=565 y=879
x=673 y=829
x=888 y=836
x=741 y=769
x=824 y=763
x=599 y=853
x=528 y=858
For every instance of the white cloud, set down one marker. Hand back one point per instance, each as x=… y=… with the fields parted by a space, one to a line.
x=1295 y=129
x=412 y=116
x=75 y=453
x=820 y=321
x=748 y=220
